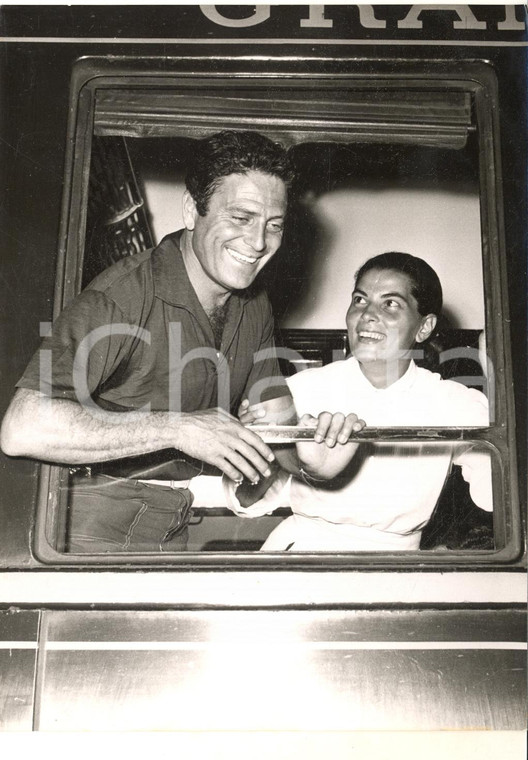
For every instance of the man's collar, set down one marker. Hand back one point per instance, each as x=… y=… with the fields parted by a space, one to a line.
x=171 y=282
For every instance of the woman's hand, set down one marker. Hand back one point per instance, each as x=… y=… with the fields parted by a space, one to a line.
x=328 y=454
x=333 y=428
x=331 y=450
x=248 y=415
x=276 y=411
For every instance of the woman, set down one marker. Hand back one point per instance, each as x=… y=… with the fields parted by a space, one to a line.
x=386 y=492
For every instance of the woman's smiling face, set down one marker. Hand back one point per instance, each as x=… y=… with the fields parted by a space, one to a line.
x=383 y=321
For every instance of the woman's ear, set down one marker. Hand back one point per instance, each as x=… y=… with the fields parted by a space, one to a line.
x=427 y=326
x=189 y=211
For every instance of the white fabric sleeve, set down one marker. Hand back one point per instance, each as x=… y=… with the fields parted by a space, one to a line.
x=476 y=470
x=207 y=491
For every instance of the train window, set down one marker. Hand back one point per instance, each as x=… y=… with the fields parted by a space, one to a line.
x=388 y=157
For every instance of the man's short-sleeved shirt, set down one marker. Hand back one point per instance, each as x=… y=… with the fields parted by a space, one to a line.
x=138 y=336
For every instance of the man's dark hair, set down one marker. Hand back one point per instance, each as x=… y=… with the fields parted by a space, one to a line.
x=232 y=152
x=425 y=285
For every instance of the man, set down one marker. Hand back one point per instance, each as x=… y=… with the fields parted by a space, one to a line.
x=143 y=358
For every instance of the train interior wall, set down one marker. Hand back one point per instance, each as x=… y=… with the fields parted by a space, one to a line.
x=350 y=203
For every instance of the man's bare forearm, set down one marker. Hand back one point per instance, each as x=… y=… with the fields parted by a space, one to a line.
x=59 y=430
x=63 y=431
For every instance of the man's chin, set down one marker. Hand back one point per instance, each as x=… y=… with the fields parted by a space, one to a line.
x=239 y=280
x=242 y=283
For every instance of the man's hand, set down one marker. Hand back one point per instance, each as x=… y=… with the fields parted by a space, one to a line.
x=218 y=438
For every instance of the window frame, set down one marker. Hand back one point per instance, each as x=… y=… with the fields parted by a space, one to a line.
x=479 y=79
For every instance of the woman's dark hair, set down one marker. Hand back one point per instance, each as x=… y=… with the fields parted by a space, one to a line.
x=425 y=285
x=232 y=152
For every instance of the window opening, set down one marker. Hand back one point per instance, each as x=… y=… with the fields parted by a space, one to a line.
x=371 y=141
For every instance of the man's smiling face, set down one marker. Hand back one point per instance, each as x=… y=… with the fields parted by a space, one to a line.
x=383 y=321
x=241 y=230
